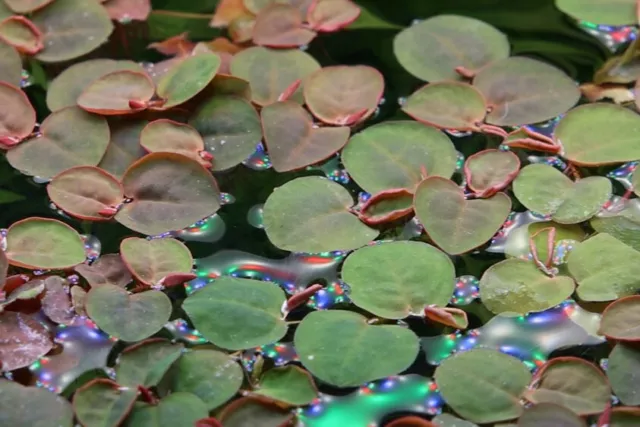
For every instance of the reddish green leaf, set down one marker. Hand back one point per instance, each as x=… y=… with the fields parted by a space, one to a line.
x=109 y=269
x=10 y=65
x=550 y=415
x=119 y=92
x=187 y=78
x=22 y=34
x=290 y=385
x=23 y=340
x=292 y=140
x=167 y=136
x=331 y=15
x=100 y=402
x=17 y=116
x=151 y=261
x=124 y=147
x=26 y=6
x=621 y=319
x=387 y=206
x=489 y=171
x=249 y=411
x=145 y=363
x=280 y=25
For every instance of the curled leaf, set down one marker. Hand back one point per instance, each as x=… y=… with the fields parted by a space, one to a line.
x=620 y=319
x=387 y=206
x=22 y=34
x=23 y=340
x=448 y=316
x=167 y=136
x=489 y=171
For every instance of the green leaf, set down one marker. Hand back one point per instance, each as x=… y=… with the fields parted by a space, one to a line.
x=396 y=279
x=457 y=225
x=581 y=133
x=7 y=197
x=521 y=90
x=151 y=261
x=483 y=386
x=311 y=214
x=548 y=415
x=620 y=319
x=187 y=78
x=447 y=105
x=624 y=373
x=517 y=286
x=146 y=362
x=623 y=224
x=230 y=128
x=390 y=155
x=251 y=411
x=41 y=243
x=289 y=384
x=113 y=93
x=124 y=147
x=573 y=383
x=211 y=375
x=609 y=12
x=488 y=171
x=604 y=268
x=432 y=49
x=128 y=317
x=238 y=313
x=168 y=136
x=101 y=403
x=32 y=406
x=347 y=362
x=176 y=409
x=10 y=65
x=544 y=189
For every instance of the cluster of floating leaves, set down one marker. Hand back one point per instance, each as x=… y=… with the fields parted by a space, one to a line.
x=469 y=258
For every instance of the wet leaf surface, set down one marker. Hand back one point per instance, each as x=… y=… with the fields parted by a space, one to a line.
x=24 y=340
x=290 y=384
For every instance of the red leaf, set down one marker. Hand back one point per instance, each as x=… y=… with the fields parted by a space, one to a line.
x=22 y=34
x=178 y=45
x=331 y=15
x=447 y=316
x=280 y=25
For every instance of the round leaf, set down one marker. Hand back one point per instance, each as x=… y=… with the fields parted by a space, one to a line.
x=167 y=136
x=343 y=95
x=482 y=385
x=113 y=93
x=124 y=147
x=396 y=279
x=311 y=214
x=176 y=409
x=391 y=155
x=292 y=140
x=71 y=28
x=491 y=170
x=17 y=116
x=145 y=363
x=457 y=225
x=271 y=72
x=10 y=65
x=289 y=384
x=125 y=316
x=581 y=133
x=101 y=403
x=550 y=415
x=41 y=243
x=109 y=269
x=332 y=15
x=187 y=78
x=544 y=189
x=83 y=191
x=280 y=25
x=517 y=286
x=151 y=261
x=344 y=363
x=230 y=128
x=26 y=6
x=238 y=313
x=521 y=90
x=20 y=33
x=616 y=12
x=169 y=192
x=32 y=406
x=621 y=319
x=211 y=375
x=432 y=49
x=448 y=105
x=23 y=340
x=573 y=383
x=70 y=137
x=624 y=373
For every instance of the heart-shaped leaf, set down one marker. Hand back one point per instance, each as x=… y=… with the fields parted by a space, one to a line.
x=311 y=214
x=169 y=192
x=391 y=155
x=482 y=385
x=432 y=49
x=23 y=340
x=619 y=12
x=10 y=65
x=517 y=286
x=151 y=261
x=187 y=78
x=292 y=140
x=230 y=128
x=550 y=415
x=344 y=363
x=211 y=375
x=22 y=34
x=56 y=304
x=119 y=92
x=32 y=406
x=167 y=136
x=65 y=89
x=280 y=25
x=573 y=383
x=396 y=279
x=41 y=243
x=146 y=362
x=238 y=313
x=521 y=90
x=581 y=133
x=289 y=384
x=447 y=105
x=624 y=373
x=17 y=116
x=125 y=316
x=331 y=15
x=604 y=268
x=87 y=22
x=270 y=72
x=100 y=402
x=518 y=242
x=176 y=409
x=85 y=192
x=457 y=225
x=26 y=6
x=620 y=319
x=70 y=137
x=387 y=206
x=124 y=147
x=623 y=224
x=343 y=95
x=490 y=171
x=546 y=190
x=109 y=269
